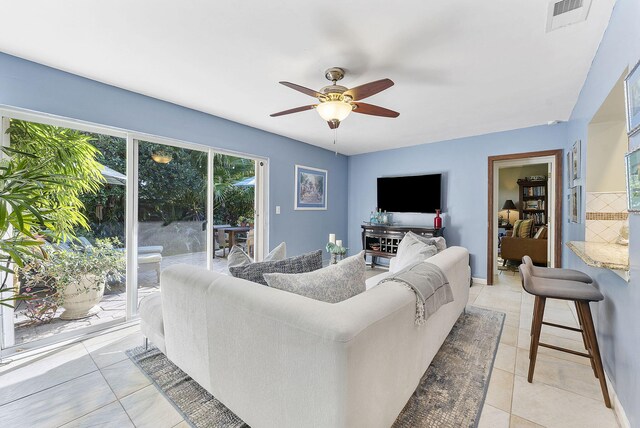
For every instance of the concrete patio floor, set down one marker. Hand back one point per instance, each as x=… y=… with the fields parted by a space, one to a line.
x=112 y=306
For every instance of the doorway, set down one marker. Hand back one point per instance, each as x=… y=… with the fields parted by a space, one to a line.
x=536 y=195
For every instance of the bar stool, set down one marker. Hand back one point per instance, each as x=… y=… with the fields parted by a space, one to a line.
x=556 y=273
x=581 y=294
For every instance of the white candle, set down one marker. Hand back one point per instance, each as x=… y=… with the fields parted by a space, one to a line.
x=339 y=243
x=332 y=238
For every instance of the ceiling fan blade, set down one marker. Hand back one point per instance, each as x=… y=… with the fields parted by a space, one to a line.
x=365 y=108
x=303 y=89
x=363 y=91
x=333 y=124
x=293 y=110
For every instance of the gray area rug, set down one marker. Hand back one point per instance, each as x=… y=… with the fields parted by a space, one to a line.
x=451 y=393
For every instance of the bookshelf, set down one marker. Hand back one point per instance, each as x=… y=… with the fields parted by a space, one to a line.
x=533 y=201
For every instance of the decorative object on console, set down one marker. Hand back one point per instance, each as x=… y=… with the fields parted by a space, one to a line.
x=311 y=188
x=509 y=205
x=299 y=264
x=437 y=220
x=336 y=102
x=632 y=162
x=335 y=249
x=632 y=96
x=331 y=284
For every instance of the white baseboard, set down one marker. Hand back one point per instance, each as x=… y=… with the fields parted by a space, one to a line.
x=482 y=281
x=617 y=406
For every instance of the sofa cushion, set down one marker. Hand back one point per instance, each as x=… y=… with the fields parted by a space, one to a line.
x=299 y=264
x=238 y=257
x=411 y=250
x=331 y=284
x=522 y=228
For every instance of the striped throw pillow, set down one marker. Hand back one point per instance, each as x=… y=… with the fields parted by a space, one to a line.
x=522 y=228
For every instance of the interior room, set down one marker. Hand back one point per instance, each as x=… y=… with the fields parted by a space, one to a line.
x=424 y=216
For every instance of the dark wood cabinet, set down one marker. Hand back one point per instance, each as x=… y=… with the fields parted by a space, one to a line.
x=382 y=241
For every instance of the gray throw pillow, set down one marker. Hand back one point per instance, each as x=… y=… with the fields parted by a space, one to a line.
x=299 y=264
x=332 y=284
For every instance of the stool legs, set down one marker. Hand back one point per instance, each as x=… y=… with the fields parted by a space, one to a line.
x=594 y=350
x=538 y=315
x=585 y=339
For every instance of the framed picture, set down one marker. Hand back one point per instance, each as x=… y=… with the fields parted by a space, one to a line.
x=632 y=99
x=575 y=160
x=574 y=204
x=311 y=188
x=632 y=162
x=569 y=168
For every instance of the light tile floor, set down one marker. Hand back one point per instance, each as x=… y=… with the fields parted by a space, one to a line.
x=93 y=383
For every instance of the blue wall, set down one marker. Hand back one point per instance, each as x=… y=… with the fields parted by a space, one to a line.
x=618 y=316
x=36 y=87
x=464 y=165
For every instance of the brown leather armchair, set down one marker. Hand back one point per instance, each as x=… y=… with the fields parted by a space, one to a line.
x=515 y=248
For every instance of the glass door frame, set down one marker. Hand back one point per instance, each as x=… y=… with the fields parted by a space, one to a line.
x=7 y=345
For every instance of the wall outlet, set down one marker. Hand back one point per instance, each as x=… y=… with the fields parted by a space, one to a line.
x=277 y=209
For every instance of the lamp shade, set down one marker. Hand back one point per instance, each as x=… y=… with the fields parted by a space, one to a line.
x=334 y=110
x=509 y=205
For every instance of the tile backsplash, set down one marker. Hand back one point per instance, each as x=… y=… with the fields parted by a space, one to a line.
x=606 y=213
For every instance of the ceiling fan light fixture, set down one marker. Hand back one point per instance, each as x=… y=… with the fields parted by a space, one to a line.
x=334 y=110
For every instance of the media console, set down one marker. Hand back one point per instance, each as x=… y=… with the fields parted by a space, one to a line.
x=382 y=241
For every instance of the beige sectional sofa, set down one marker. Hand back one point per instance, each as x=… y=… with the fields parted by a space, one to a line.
x=278 y=359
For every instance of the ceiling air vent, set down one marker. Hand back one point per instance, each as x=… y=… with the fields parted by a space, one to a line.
x=566 y=12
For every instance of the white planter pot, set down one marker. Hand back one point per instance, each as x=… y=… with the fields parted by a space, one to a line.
x=80 y=303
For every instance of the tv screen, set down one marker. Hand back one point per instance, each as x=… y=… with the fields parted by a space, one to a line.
x=410 y=194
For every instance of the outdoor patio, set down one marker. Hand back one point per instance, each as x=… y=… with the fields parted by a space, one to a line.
x=112 y=305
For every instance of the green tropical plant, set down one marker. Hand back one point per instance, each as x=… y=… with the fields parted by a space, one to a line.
x=62 y=152
x=23 y=182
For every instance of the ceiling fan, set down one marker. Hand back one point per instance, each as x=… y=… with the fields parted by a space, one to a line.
x=336 y=102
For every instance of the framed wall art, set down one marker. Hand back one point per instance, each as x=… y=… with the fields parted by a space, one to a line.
x=575 y=160
x=632 y=162
x=574 y=204
x=632 y=99
x=569 y=167
x=311 y=188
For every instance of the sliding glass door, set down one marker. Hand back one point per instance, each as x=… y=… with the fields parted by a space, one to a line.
x=172 y=211
x=126 y=209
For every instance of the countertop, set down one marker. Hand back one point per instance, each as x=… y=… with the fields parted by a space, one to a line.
x=602 y=254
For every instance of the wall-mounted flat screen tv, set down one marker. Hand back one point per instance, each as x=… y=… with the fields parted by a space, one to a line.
x=410 y=194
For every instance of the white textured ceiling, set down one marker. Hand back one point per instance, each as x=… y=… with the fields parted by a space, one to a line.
x=461 y=67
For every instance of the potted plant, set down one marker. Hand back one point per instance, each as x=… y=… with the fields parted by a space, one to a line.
x=80 y=277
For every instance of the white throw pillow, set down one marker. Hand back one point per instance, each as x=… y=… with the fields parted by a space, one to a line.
x=237 y=257
x=411 y=250
x=438 y=241
x=278 y=253
x=331 y=284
